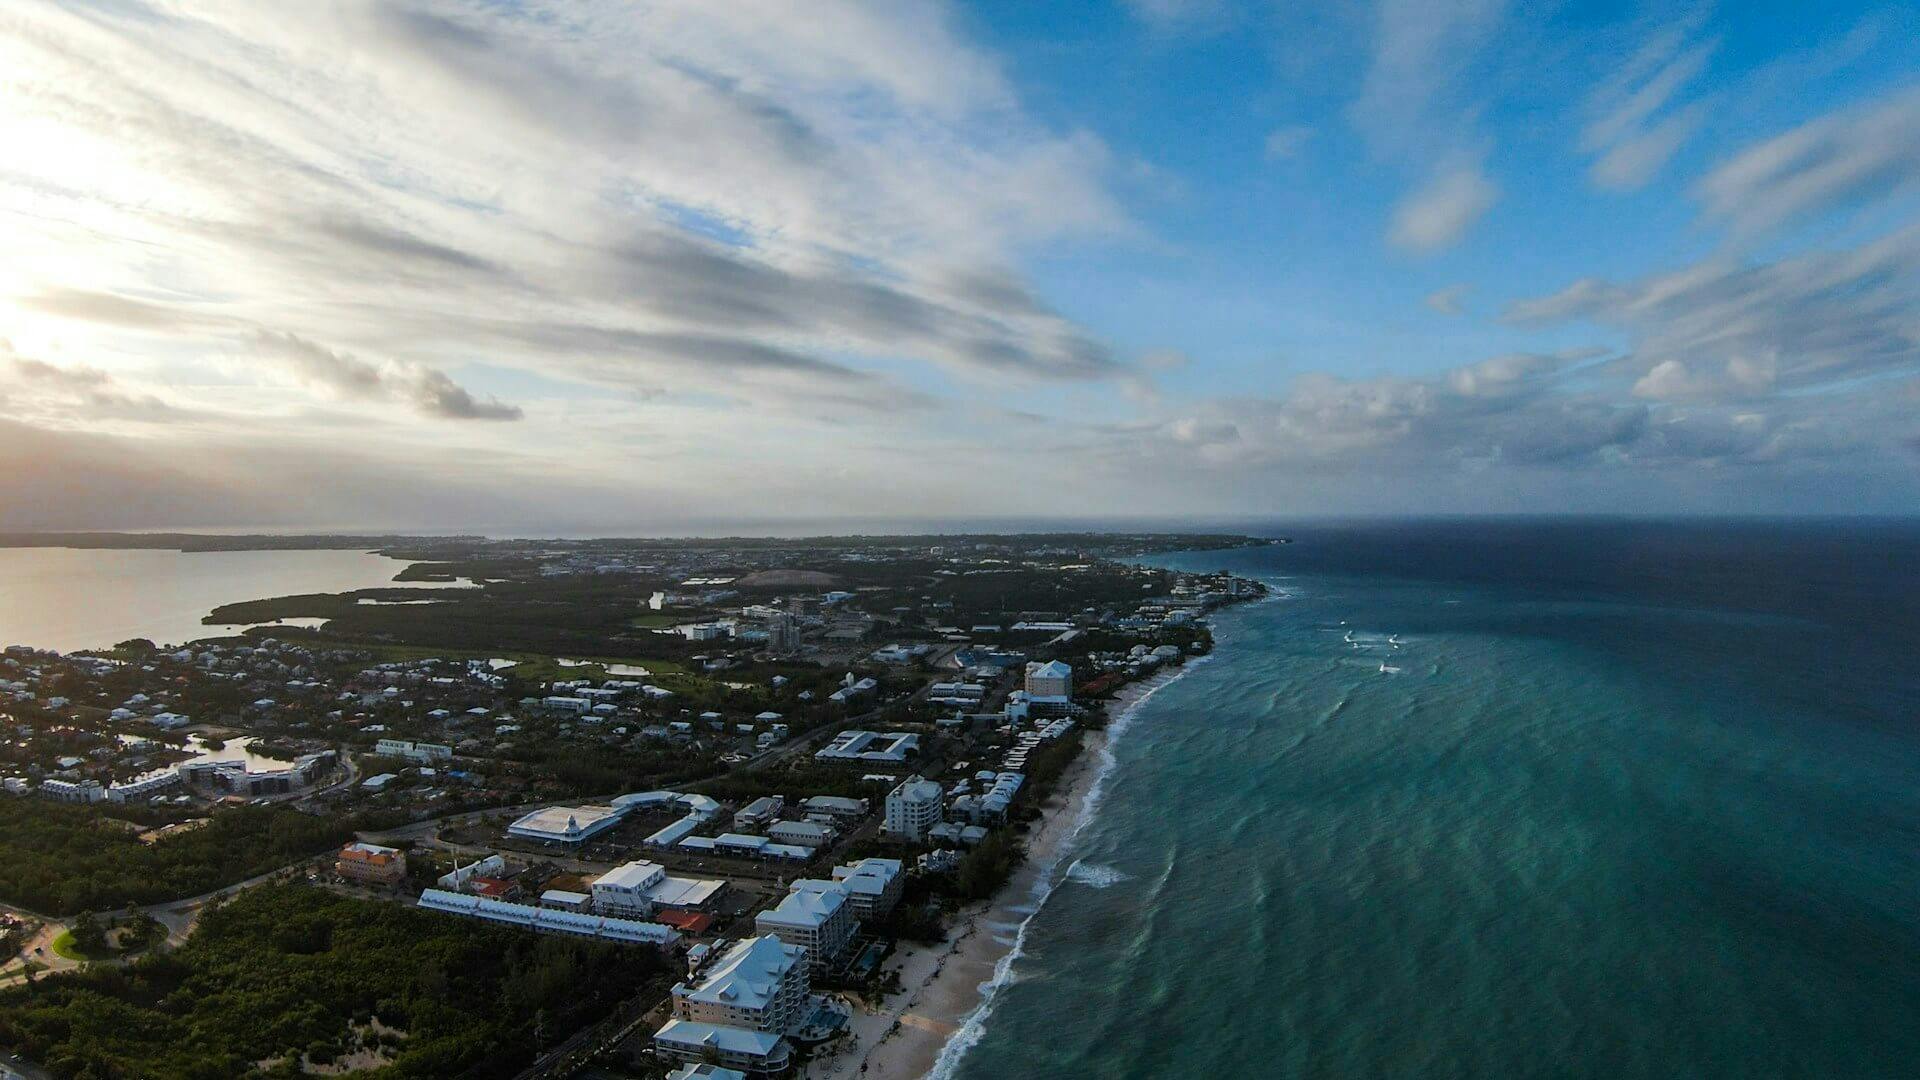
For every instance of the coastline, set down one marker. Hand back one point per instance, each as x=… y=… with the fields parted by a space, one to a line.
x=947 y=986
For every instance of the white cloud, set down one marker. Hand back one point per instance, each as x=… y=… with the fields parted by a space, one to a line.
x=1438 y=215
x=1636 y=124
x=1285 y=143
x=1450 y=300
x=1850 y=157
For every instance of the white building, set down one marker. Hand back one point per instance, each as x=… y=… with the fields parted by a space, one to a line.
x=760 y=811
x=913 y=809
x=1051 y=681
x=704 y=1071
x=141 y=787
x=424 y=753
x=760 y=984
x=758 y=1052
x=803 y=833
x=816 y=915
x=638 y=889
x=83 y=791
x=869 y=748
x=873 y=886
x=565 y=824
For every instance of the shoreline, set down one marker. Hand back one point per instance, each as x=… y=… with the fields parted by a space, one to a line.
x=947 y=987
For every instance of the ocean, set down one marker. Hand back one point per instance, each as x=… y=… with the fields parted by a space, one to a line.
x=1520 y=799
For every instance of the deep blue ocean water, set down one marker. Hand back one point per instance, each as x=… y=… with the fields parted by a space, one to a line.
x=1506 y=800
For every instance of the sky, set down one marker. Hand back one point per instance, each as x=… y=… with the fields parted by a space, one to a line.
x=631 y=265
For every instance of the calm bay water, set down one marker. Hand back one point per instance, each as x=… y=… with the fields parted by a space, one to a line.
x=1507 y=801
x=75 y=598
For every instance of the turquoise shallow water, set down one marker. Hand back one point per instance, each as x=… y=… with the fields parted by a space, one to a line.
x=1462 y=828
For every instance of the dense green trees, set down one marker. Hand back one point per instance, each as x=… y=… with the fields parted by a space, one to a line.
x=60 y=859
x=288 y=970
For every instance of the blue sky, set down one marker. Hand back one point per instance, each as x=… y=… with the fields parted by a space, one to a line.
x=601 y=265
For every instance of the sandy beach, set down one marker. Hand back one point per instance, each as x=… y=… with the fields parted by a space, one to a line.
x=941 y=983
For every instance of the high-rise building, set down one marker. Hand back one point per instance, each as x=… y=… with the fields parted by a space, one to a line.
x=913 y=808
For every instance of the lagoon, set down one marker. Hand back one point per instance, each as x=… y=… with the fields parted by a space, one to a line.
x=86 y=598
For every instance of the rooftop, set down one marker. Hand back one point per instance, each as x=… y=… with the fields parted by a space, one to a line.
x=811 y=903
x=748 y=975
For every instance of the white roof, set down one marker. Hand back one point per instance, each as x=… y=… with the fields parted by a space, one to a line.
x=725 y=1039
x=684 y=892
x=748 y=975
x=631 y=876
x=810 y=904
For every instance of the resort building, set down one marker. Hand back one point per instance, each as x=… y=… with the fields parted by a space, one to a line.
x=913 y=809
x=816 y=915
x=371 y=864
x=873 y=886
x=1051 y=680
x=755 y=1053
x=760 y=984
x=704 y=1071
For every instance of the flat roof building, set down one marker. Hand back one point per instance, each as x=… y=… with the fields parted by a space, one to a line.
x=565 y=824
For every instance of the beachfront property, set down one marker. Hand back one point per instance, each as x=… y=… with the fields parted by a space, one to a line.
x=761 y=983
x=816 y=915
x=753 y=1053
x=704 y=1071
x=913 y=809
x=873 y=886
x=869 y=748
x=371 y=864
x=1051 y=680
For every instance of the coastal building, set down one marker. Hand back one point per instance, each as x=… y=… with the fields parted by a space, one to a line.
x=704 y=1071
x=873 y=886
x=1051 y=680
x=815 y=915
x=371 y=864
x=761 y=984
x=756 y=1053
x=913 y=809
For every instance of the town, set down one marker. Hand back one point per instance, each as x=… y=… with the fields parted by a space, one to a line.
x=772 y=766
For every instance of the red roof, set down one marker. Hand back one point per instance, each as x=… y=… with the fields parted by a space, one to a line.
x=493 y=887
x=692 y=922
